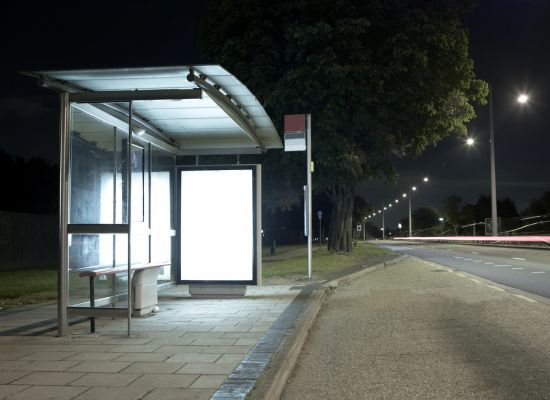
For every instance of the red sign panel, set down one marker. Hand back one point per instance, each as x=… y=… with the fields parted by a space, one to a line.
x=295 y=123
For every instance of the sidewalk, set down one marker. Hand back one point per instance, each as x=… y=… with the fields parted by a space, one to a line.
x=191 y=349
x=418 y=330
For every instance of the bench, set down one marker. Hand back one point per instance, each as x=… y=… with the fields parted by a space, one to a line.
x=144 y=283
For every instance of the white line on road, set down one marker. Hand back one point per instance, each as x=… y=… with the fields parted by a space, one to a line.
x=517 y=268
x=477 y=261
x=475 y=280
x=538 y=272
x=473 y=252
x=496 y=288
x=467 y=259
x=519 y=296
x=519 y=259
x=458 y=257
x=488 y=263
x=459 y=274
x=502 y=265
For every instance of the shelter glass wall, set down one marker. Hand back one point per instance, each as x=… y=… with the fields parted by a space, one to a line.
x=119 y=187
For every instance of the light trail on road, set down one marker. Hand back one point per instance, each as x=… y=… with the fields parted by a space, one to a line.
x=520 y=268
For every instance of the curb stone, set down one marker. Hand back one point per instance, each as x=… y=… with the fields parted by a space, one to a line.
x=272 y=382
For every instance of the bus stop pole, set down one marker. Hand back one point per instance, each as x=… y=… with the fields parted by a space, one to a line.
x=308 y=214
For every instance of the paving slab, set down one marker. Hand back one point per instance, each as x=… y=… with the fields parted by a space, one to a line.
x=186 y=351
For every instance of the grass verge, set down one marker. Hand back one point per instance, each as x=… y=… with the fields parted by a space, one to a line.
x=27 y=286
x=323 y=261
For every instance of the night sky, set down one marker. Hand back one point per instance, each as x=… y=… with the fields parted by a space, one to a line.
x=509 y=45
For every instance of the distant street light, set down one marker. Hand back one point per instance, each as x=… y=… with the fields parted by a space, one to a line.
x=523 y=98
x=470 y=141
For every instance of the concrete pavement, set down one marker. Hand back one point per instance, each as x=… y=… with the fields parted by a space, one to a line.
x=419 y=333
x=416 y=330
x=188 y=350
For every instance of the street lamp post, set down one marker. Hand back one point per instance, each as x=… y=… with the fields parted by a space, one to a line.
x=494 y=214
x=383 y=223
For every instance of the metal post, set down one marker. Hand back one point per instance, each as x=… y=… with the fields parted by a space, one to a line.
x=364 y=227
x=309 y=224
x=494 y=214
x=63 y=281
x=320 y=233
x=383 y=222
x=129 y=214
x=410 y=214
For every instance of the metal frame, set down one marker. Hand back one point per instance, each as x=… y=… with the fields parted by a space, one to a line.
x=256 y=221
x=231 y=109
x=117 y=96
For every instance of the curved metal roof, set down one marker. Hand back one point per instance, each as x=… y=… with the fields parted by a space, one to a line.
x=225 y=118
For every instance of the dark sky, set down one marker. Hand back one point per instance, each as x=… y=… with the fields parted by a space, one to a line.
x=509 y=44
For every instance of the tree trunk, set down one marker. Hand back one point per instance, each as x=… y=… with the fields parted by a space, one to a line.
x=341 y=229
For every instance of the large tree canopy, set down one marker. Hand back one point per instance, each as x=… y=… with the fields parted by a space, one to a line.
x=380 y=78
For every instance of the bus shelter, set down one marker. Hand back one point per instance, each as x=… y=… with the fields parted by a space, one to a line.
x=131 y=219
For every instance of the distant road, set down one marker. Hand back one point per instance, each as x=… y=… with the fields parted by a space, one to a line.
x=524 y=269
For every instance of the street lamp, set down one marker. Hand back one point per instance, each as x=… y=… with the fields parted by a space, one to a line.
x=425 y=179
x=522 y=99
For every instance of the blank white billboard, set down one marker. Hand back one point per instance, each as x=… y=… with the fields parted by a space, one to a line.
x=217 y=225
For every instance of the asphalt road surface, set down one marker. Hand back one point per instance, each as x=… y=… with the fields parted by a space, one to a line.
x=524 y=269
x=416 y=330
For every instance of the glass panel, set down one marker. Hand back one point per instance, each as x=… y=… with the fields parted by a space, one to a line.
x=98 y=157
x=93 y=252
x=162 y=177
x=138 y=183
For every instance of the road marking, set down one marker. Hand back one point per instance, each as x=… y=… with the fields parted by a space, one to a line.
x=467 y=259
x=517 y=268
x=519 y=259
x=477 y=261
x=519 y=296
x=459 y=274
x=502 y=265
x=474 y=280
x=538 y=272
x=458 y=257
x=488 y=263
x=473 y=252
x=496 y=288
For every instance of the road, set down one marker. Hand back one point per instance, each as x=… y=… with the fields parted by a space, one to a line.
x=520 y=268
x=415 y=330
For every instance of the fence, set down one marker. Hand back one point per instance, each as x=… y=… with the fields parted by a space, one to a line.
x=28 y=241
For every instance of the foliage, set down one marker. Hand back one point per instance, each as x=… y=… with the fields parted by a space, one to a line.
x=380 y=78
x=540 y=206
x=27 y=286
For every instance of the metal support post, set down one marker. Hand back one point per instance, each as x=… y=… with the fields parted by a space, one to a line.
x=63 y=281
x=309 y=222
x=494 y=214
x=410 y=214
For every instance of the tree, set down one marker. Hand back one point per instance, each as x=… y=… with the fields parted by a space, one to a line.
x=426 y=219
x=538 y=206
x=451 y=211
x=380 y=78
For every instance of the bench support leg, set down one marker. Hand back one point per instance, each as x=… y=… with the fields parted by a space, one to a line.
x=92 y=302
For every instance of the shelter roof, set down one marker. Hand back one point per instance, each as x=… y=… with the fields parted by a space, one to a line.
x=217 y=115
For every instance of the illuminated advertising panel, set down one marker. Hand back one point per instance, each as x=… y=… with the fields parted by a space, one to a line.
x=217 y=224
